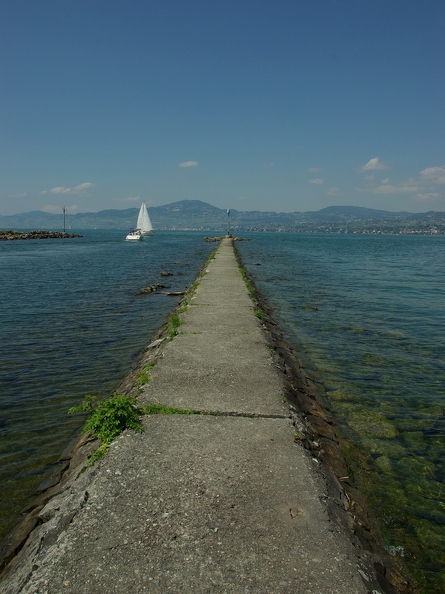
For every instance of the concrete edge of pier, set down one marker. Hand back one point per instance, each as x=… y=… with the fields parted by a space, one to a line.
x=314 y=429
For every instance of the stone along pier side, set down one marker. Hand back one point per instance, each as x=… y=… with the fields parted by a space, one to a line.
x=223 y=501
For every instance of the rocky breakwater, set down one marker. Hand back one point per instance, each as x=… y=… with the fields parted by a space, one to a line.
x=11 y=235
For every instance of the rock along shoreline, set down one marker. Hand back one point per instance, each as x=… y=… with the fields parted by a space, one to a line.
x=315 y=429
x=41 y=234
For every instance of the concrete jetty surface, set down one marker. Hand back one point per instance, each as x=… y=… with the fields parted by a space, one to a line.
x=225 y=501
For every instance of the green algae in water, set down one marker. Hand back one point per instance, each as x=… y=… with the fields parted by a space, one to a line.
x=342 y=395
x=371 y=359
x=384 y=464
x=391 y=448
x=414 y=440
x=402 y=483
x=367 y=423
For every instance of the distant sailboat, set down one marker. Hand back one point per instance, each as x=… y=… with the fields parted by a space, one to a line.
x=143 y=225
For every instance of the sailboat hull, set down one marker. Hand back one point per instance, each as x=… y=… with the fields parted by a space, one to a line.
x=134 y=236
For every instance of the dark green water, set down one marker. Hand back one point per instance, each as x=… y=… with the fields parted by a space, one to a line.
x=376 y=342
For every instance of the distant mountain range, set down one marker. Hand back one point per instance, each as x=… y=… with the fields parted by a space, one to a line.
x=198 y=215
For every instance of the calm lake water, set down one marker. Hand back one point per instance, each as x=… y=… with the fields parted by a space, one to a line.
x=376 y=342
x=365 y=315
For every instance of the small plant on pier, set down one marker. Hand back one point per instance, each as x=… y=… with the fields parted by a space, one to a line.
x=161 y=409
x=259 y=313
x=173 y=324
x=248 y=284
x=193 y=288
x=144 y=377
x=108 y=419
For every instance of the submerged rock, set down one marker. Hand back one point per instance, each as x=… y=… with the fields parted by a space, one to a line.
x=151 y=289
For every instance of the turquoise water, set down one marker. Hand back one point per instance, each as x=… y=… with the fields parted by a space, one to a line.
x=366 y=316
x=71 y=323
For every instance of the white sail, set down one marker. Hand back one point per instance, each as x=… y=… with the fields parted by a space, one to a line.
x=144 y=223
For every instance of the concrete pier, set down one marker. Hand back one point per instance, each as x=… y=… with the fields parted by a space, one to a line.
x=224 y=501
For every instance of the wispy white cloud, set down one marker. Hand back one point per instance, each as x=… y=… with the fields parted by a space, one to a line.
x=316 y=181
x=386 y=187
x=428 y=197
x=270 y=165
x=189 y=164
x=434 y=174
x=132 y=199
x=314 y=169
x=334 y=192
x=423 y=185
x=80 y=189
x=18 y=196
x=374 y=163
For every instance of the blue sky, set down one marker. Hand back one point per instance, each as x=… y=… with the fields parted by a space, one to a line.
x=254 y=105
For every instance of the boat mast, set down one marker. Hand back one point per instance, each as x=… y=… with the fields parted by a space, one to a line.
x=228 y=221
x=64 y=211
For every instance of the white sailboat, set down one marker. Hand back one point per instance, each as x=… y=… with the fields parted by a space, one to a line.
x=143 y=225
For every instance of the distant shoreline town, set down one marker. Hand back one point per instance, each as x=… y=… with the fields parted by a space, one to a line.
x=195 y=215
x=380 y=229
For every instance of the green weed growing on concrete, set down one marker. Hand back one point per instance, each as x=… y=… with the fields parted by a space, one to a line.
x=183 y=307
x=172 y=325
x=248 y=284
x=161 y=409
x=259 y=314
x=193 y=288
x=144 y=377
x=108 y=419
x=191 y=291
x=298 y=436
